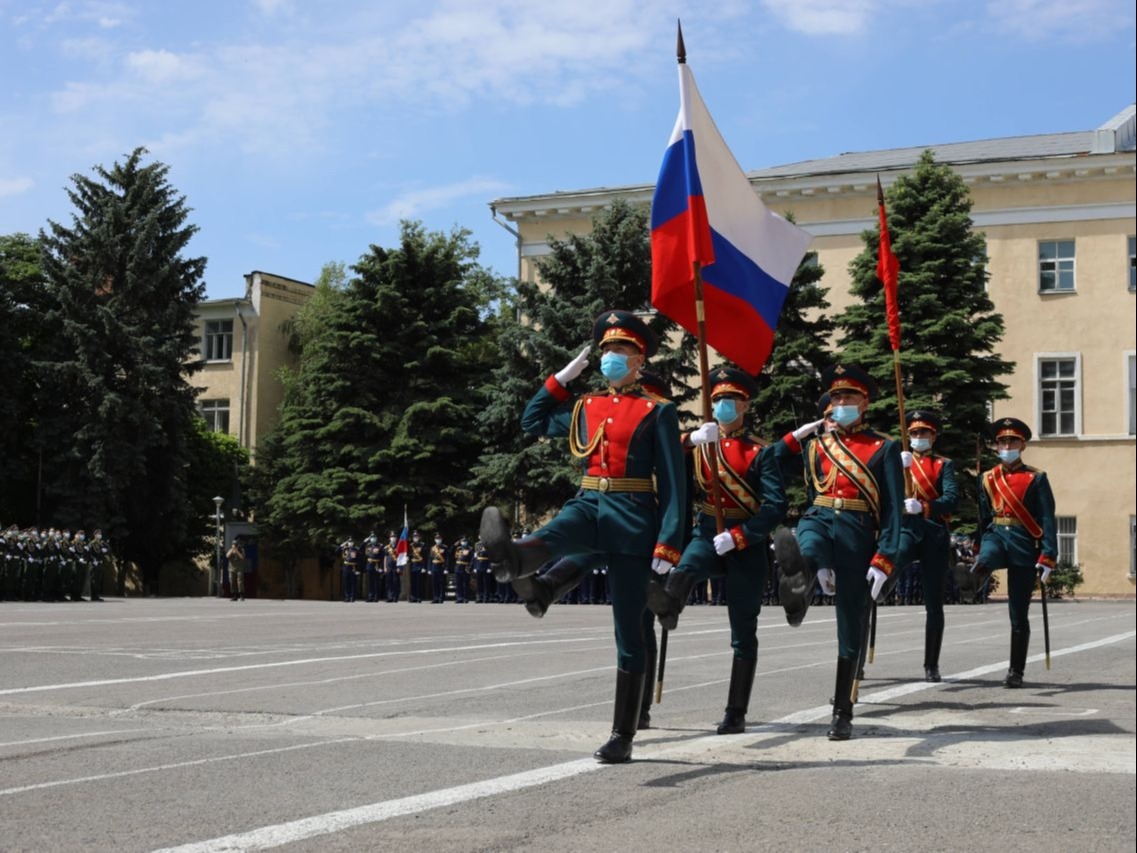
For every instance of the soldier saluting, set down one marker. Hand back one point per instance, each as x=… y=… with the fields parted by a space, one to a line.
x=855 y=483
x=630 y=504
x=1017 y=523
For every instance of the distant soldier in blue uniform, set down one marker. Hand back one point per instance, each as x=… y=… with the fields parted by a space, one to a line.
x=855 y=483
x=630 y=505
x=391 y=568
x=926 y=535
x=1019 y=532
x=752 y=502
x=373 y=554
x=417 y=553
x=482 y=573
x=463 y=563
x=349 y=570
x=439 y=555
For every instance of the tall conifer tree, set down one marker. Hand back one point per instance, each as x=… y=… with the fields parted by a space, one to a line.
x=950 y=329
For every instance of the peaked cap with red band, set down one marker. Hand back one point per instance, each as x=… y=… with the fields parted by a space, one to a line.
x=848 y=377
x=731 y=380
x=1010 y=427
x=624 y=326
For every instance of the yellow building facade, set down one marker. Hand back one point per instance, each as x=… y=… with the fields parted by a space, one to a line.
x=1059 y=212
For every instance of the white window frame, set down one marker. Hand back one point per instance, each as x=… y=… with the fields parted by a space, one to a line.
x=207 y=336
x=1067 y=526
x=1057 y=267
x=211 y=409
x=1058 y=356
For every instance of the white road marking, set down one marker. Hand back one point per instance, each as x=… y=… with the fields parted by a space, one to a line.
x=338 y=821
x=72 y=737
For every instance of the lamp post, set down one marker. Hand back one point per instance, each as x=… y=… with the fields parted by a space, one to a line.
x=217 y=501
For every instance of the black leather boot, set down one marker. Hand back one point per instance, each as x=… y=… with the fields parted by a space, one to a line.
x=625 y=716
x=509 y=559
x=738 y=696
x=649 y=681
x=841 y=727
x=933 y=641
x=540 y=591
x=1020 y=640
x=795 y=588
x=667 y=600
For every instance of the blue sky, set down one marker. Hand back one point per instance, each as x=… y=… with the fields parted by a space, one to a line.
x=301 y=132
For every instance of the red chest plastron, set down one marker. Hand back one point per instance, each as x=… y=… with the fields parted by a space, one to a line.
x=620 y=415
x=860 y=445
x=739 y=455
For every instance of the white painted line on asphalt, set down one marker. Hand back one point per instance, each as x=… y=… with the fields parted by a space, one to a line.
x=338 y=821
x=72 y=737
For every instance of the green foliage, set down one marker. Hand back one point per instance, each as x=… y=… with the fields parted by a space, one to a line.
x=950 y=329
x=1064 y=579
x=540 y=329
x=217 y=465
x=117 y=409
x=382 y=410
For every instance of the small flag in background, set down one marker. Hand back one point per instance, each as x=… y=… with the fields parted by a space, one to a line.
x=705 y=210
x=401 y=545
x=888 y=271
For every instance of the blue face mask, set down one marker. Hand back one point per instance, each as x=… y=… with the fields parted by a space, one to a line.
x=725 y=410
x=614 y=366
x=1009 y=456
x=921 y=445
x=845 y=415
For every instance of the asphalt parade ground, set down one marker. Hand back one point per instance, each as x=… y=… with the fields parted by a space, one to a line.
x=204 y=724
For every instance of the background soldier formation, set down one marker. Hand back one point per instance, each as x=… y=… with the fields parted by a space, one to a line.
x=52 y=565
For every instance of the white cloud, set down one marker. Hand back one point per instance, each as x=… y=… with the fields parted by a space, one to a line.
x=1061 y=20
x=823 y=17
x=414 y=203
x=161 y=66
x=15 y=186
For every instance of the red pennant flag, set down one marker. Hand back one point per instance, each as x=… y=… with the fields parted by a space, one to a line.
x=888 y=271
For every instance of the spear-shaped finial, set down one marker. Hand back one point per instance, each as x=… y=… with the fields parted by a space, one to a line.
x=879 y=192
x=680 y=50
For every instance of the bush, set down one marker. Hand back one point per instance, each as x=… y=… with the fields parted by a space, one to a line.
x=1064 y=579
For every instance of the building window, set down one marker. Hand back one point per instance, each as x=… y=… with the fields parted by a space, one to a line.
x=1056 y=266
x=218 y=340
x=1133 y=263
x=1058 y=395
x=1133 y=546
x=1131 y=393
x=1067 y=539
x=216 y=414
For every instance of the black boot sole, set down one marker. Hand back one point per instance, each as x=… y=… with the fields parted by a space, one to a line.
x=662 y=605
x=498 y=542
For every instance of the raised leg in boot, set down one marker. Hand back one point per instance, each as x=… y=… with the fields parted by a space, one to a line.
x=795 y=588
x=625 y=717
x=540 y=591
x=510 y=560
x=667 y=599
x=738 y=696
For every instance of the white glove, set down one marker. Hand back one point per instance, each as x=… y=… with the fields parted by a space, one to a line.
x=661 y=566
x=808 y=429
x=708 y=433
x=906 y=458
x=574 y=368
x=913 y=506
x=1045 y=571
x=724 y=543
x=827 y=580
x=877 y=578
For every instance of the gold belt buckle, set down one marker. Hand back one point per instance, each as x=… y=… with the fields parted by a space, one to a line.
x=603 y=484
x=838 y=503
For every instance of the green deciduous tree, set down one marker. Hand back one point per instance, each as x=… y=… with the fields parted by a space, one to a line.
x=117 y=407
x=950 y=329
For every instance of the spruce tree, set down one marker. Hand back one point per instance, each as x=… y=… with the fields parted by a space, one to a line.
x=382 y=411
x=543 y=327
x=118 y=407
x=950 y=330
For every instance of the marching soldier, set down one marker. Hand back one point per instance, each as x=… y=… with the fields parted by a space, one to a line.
x=1019 y=532
x=463 y=560
x=630 y=505
x=417 y=549
x=439 y=554
x=926 y=535
x=855 y=482
x=753 y=501
x=391 y=568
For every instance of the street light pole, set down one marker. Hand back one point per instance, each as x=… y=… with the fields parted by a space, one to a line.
x=217 y=501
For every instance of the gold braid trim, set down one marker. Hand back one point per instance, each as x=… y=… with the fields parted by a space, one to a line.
x=574 y=434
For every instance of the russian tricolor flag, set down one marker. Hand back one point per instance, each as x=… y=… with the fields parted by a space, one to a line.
x=705 y=210
x=401 y=545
